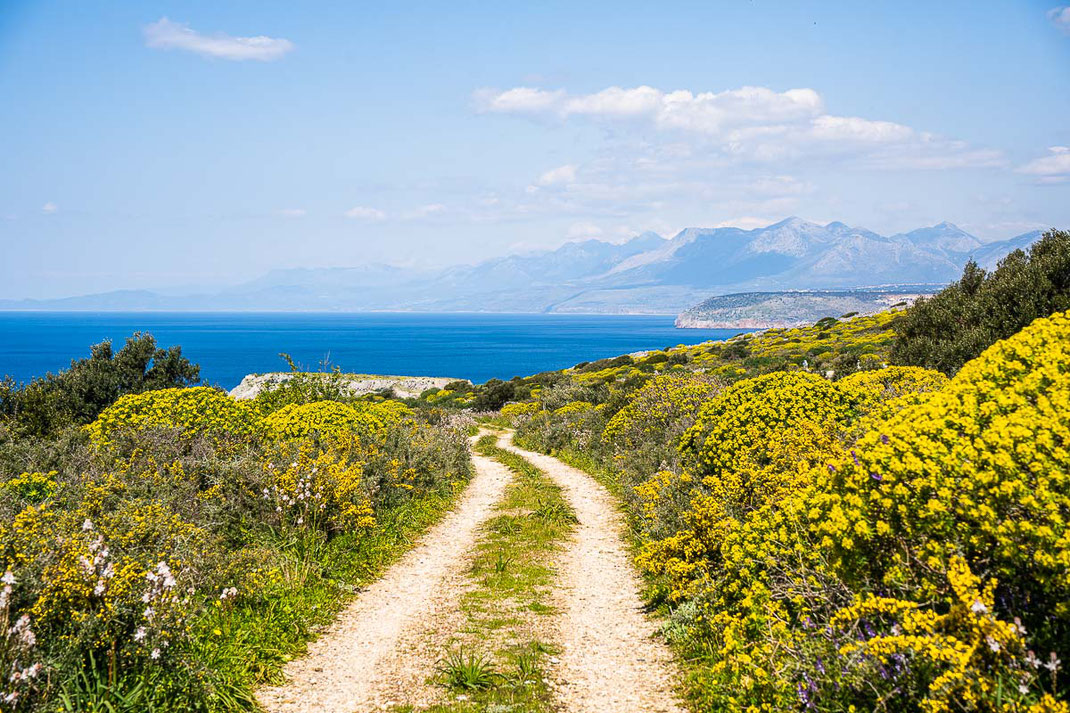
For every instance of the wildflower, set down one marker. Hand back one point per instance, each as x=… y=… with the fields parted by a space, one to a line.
x=99 y=589
x=992 y=643
x=148 y=613
x=25 y=635
x=155 y=654
x=87 y=526
x=8 y=578
x=1053 y=663
x=978 y=607
x=140 y=634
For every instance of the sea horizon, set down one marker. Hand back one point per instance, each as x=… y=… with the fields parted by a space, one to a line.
x=230 y=345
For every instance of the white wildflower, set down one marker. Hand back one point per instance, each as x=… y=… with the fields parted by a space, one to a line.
x=978 y=607
x=155 y=654
x=992 y=643
x=8 y=578
x=140 y=634
x=87 y=526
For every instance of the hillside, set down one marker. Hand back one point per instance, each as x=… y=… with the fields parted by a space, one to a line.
x=645 y=275
x=761 y=310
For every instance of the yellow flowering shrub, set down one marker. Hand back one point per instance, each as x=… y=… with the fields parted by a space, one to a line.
x=117 y=583
x=659 y=411
x=328 y=418
x=192 y=411
x=751 y=414
x=979 y=470
x=322 y=488
x=873 y=388
x=573 y=407
x=521 y=408
x=30 y=488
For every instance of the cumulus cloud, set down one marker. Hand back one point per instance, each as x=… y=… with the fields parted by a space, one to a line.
x=364 y=213
x=555 y=176
x=167 y=34
x=1053 y=168
x=749 y=123
x=1060 y=17
x=425 y=211
x=707 y=112
x=49 y=207
x=583 y=229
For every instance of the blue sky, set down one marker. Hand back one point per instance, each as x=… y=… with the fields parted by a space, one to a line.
x=176 y=144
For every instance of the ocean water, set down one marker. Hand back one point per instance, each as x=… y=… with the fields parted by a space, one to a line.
x=230 y=345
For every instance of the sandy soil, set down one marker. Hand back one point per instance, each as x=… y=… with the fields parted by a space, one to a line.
x=383 y=648
x=612 y=660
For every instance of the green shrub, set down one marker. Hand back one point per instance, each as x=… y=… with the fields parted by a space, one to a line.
x=955 y=325
x=78 y=395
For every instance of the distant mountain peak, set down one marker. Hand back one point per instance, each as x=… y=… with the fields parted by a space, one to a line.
x=645 y=274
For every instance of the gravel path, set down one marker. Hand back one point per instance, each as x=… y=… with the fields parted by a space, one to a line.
x=382 y=649
x=611 y=659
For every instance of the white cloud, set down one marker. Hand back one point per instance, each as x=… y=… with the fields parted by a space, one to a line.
x=755 y=124
x=1060 y=17
x=429 y=209
x=555 y=176
x=49 y=207
x=745 y=222
x=365 y=213
x=583 y=230
x=1053 y=168
x=293 y=212
x=166 y=34
x=707 y=112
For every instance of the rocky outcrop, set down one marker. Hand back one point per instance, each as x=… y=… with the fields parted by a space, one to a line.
x=354 y=384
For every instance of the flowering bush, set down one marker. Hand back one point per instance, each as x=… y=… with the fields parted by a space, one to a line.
x=329 y=418
x=516 y=410
x=322 y=487
x=195 y=411
x=872 y=388
x=659 y=411
x=740 y=422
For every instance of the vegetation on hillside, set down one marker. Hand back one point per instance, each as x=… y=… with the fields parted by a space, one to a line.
x=827 y=532
x=175 y=550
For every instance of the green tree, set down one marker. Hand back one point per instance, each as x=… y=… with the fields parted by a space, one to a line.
x=958 y=323
x=78 y=395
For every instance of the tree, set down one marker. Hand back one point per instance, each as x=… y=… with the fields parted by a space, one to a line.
x=78 y=395
x=961 y=321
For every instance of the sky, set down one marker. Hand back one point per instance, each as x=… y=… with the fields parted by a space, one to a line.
x=194 y=144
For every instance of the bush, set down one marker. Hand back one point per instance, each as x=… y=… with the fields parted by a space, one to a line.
x=78 y=395
x=741 y=421
x=329 y=418
x=958 y=323
x=196 y=411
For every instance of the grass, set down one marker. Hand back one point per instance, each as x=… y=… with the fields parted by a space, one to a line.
x=246 y=646
x=496 y=661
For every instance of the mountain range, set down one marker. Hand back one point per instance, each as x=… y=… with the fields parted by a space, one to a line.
x=648 y=274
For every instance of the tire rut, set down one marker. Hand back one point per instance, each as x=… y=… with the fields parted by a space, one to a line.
x=380 y=651
x=612 y=660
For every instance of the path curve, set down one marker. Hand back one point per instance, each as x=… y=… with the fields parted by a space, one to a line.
x=612 y=660
x=366 y=660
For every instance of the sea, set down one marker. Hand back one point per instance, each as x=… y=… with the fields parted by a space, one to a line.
x=227 y=346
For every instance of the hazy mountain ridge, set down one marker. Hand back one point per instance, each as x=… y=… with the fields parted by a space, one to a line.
x=647 y=274
x=762 y=310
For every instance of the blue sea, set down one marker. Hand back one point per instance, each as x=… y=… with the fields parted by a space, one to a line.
x=230 y=345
